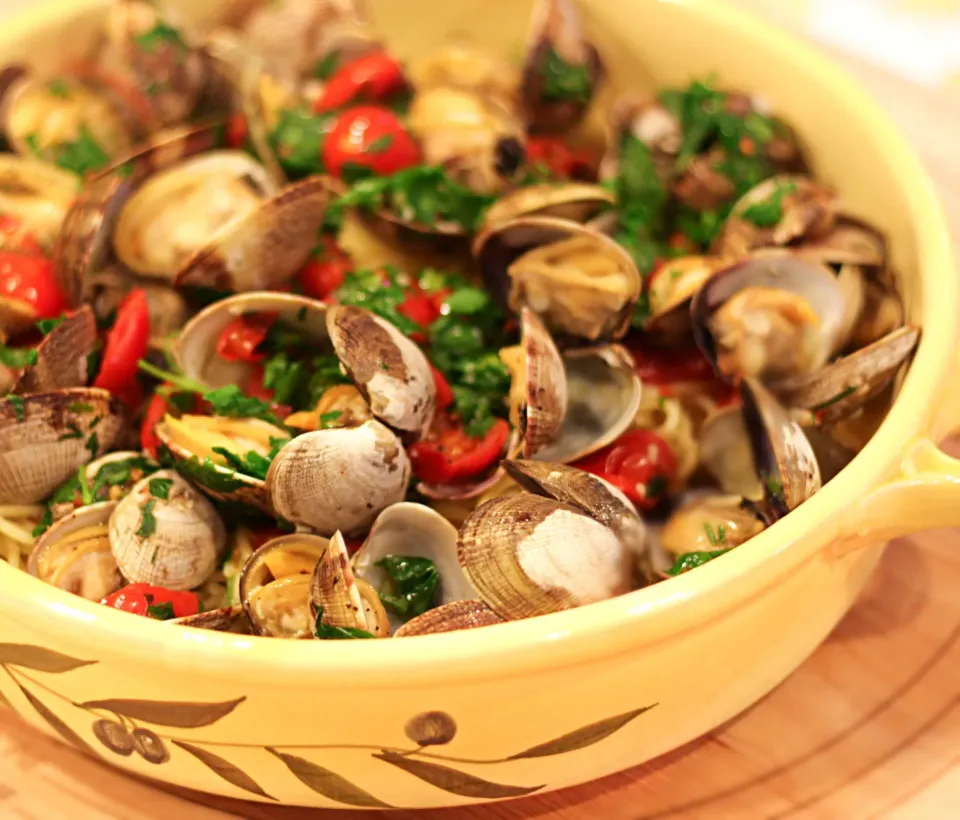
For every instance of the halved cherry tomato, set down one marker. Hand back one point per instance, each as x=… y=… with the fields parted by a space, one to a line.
x=368 y=136
x=444 y=392
x=29 y=278
x=419 y=307
x=15 y=237
x=639 y=463
x=560 y=159
x=240 y=339
x=154 y=602
x=374 y=77
x=448 y=455
x=125 y=345
x=326 y=269
x=662 y=366
x=237 y=131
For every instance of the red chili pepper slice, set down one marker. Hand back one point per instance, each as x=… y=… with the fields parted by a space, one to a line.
x=444 y=391
x=154 y=602
x=374 y=77
x=125 y=345
x=237 y=131
x=28 y=278
x=639 y=463
x=560 y=159
x=448 y=455
x=154 y=414
x=240 y=339
x=371 y=137
x=325 y=271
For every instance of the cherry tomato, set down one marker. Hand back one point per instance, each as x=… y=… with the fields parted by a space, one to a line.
x=125 y=345
x=30 y=279
x=560 y=159
x=375 y=77
x=639 y=463
x=255 y=388
x=419 y=307
x=325 y=271
x=240 y=339
x=14 y=237
x=444 y=392
x=369 y=136
x=449 y=455
x=237 y=131
x=154 y=602
x=154 y=414
x=661 y=366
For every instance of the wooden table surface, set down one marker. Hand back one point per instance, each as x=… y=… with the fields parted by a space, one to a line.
x=868 y=728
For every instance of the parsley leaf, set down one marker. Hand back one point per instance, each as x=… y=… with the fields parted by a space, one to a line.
x=230 y=401
x=716 y=536
x=413 y=585
x=148 y=521
x=209 y=475
x=46 y=325
x=691 y=560
x=298 y=139
x=324 y=69
x=159 y=36
x=17 y=403
x=332 y=633
x=252 y=463
x=769 y=212
x=160 y=487
x=162 y=612
x=92 y=445
x=379 y=145
x=82 y=155
x=565 y=81
x=17 y=357
x=45 y=523
x=59 y=88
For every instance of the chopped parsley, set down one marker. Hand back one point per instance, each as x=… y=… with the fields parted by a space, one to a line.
x=298 y=139
x=210 y=475
x=73 y=432
x=17 y=403
x=413 y=585
x=324 y=69
x=717 y=536
x=691 y=560
x=45 y=523
x=847 y=391
x=92 y=445
x=252 y=463
x=327 y=632
x=148 y=522
x=160 y=487
x=159 y=36
x=656 y=487
x=379 y=145
x=774 y=487
x=59 y=88
x=769 y=212
x=17 y=357
x=80 y=156
x=565 y=81
x=46 y=325
x=330 y=419
x=80 y=407
x=162 y=612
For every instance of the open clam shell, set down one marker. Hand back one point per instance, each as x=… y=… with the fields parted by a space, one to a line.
x=413 y=530
x=37 y=193
x=275 y=585
x=450 y=618
x=61 y=356
x=74 y=554
x=222 y=619
x=725 y=453
x=340 y=598
x=579 y=281
x=527 y=556
x=121 y=479
x=576 y=201
x=340 y=478
x=849 y=242
x=562 y=69
x=771 y=316
x=708 y=523
x=672 y=290
x=171 y=538
x=46 y=437
x=603 y=397
x=844 y=386
x=778 y=211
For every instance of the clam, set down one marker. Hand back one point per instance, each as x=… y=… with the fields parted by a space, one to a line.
x=342 y=403
x=592 y=495
x=340 y=599
x=726 y=455
x=779 y=211
x=165 y=533
x=538 y=391
x=222 y=619
x=413 y=531
x=450 y=618
x=770 y=317
x=576 y=201
x=61 y=356
x=562 y=69
x=389 y=370
x=106 y=289
x=46 y=437
x=528 y=556
x=339 y=479
x=143 y=49
x=845 y=385
x=579 y=281
x=849 y=242
x=672 y=290
x=108 y=478
x=74 y=554
x=708 y=523
x=881 y=313
x=275 y=585
x=194 y=443
x=603 y=397
x=37 y=193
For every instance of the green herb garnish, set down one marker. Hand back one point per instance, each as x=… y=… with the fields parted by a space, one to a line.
x=45 y=523
x=298 y=141
x=379 y=145
x=413 y=587
x=17 y=403
x=330 y=419
x=159 y=36
x=324 y=69
x=148 y=521
x=209 y=474
x=252 y=463
x=716 y=536
x=82 y=155
x=59 y=88
x=327 y=632
x=162 y=612
x=769 y=212
x=690 y=560
x=46 y=325
x=847 y=391
x=160 y=487
x=17 y=357
x=92 y=445
x=80 y=407
x=565 y=81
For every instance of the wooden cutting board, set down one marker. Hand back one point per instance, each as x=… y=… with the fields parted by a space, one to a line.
x=868 y=728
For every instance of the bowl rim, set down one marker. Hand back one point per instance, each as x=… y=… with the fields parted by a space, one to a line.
x=599 y=630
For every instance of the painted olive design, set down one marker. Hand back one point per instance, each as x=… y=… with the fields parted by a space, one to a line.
x=431 y=728
x=114 y=736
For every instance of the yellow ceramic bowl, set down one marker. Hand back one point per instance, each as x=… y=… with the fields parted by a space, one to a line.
x=550 y=702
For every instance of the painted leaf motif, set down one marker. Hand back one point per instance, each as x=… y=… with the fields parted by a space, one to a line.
x=5 y=701
x=328 y=783
x=39 y=658
x=582 y=738
x=182 y=715
x=454 y=781
x=58 y=725
x=224 y=768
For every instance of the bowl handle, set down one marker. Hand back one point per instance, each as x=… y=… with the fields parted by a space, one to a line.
x=923 y=495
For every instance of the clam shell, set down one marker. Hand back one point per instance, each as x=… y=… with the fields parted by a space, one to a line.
x=388 y=369
x=37 y=193
x=74 y=554
x=604 y=396
x=450 y=618
x=339 y=479
x=114 y=490
x=345 y=600
x=416 y=531
x=534 y=261
x=39 y=445
x=709 y=523
x=61 y=356
x=672 y=290
x=814 y=285
x=726 y=455
x=850 y=242
x=224 y=619
x=529 y=556
x=461 y=492
x=184 y=544
x=576 y=201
